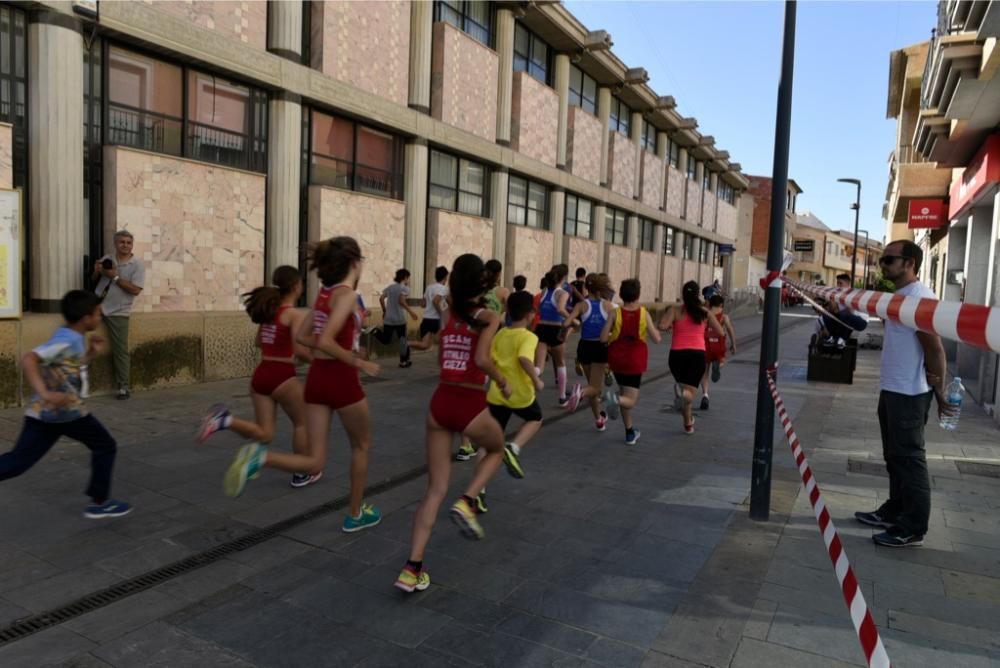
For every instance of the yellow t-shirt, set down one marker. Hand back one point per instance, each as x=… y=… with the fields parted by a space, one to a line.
x=509 y=345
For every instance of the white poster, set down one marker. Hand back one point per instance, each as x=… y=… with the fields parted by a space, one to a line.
x=11 y=244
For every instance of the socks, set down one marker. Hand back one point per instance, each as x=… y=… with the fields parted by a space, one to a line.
x=538 y=372
x=515 y=448
x=561 y=380
x=415 y=566
x=227 y=421
x=469 y=500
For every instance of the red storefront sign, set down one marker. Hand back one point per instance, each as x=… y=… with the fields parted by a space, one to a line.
x=982 y=172
x=926 y=213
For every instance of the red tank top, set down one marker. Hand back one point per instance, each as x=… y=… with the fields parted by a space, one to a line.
x=457 y=356
x=628 y=354
x=347 y=337
x=275 y=338
x=688 y=334
x=712 y=337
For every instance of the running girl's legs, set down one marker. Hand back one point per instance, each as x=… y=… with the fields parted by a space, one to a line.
x=595 y=378
x=527 y=432
x=438 y=473
x=628 y=398
x=541 y=352
x=262 y=429
x=305 y=459
x=358 y=427
x=686 y=408
x=559 y=362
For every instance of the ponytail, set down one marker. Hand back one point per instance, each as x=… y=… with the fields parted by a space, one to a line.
x=262 y=304
x=692 y=302
x=466 y=287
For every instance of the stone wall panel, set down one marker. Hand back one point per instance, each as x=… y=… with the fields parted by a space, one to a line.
x=245 y=21
x=529 y=252
x=621 y=164
x=652 y=180
x=675 y=192
x=618 y=265
x=534 y=116
x=710 y=203
x=728 y=220
x=464 y=80
x=451 y=234
x=649 y=276
x=692 y=212
x=583 y=145
x=6 y=156
x=671 y=278
x=578 y=252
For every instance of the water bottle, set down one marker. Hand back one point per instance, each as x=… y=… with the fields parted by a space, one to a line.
x=953 y=395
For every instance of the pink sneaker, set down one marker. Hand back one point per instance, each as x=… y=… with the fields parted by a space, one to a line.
x=214 y=420
x=601 y=422
x=573 y=401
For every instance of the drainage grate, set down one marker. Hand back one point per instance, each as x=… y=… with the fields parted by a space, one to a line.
x=978 y=468
x=99 y=599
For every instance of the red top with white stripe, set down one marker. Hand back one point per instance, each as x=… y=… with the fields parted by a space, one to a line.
x=275 y=339
x=458 y=343
x=347 y=336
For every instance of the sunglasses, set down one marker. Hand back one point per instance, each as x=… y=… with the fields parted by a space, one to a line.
x=886 y=260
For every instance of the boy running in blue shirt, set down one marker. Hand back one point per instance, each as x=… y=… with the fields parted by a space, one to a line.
x=57 y=373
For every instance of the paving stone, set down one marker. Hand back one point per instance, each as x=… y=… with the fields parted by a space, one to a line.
x=371 y=548
x=274 y=552
x=59 y=589
x=83 y=661
x=50 y=646
x=759 y=624
x=970 y=587
x=126 y=615
x=756 y=654
x=612 y=653
x=914 y=650
x=496 y=650
x=814 y=632
x=236 y=624
x=476 y=613
x=935 y=628
x=546 y=632
x=145 y=557
x=205 y=581
x=160 y=645
x=657 y=660
x=18 y=568
x=10 y=612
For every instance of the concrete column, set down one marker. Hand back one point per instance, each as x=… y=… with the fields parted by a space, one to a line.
x=557 y=215
x=662 y=143
x=679 y=237
x=561 y=81
x=505 y=87
x=421 y=43
x=600 y=237
x=284 y=29
x=652 y=293
x=957 y=241
x=55 y=144
x=415 y=197
x=699 y=172
x=284 y=166
x=604 y=116
x=981 y=238
x=632 y=240
x=636 y=136
x=682 y=161
x=713 y=185
x=499 y=180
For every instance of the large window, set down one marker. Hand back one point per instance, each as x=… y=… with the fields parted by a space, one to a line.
x=688 y=247
x=706 y=178
x=648 y=136
x=579 y=214
x=458 y=184
x=224 y=122
x=702 y=251
x=621 y=116
x=13 y=87
x=647 y=234
x=582 y=90
x=674 y=154
x=474 y=17
x=352 y=156
x=526 y=203
x=531 y=54
x=726 y=192
x=669 y=248
x=692 y=172
x=615 y=227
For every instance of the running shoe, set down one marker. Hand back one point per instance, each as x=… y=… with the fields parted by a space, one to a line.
x=678 y=397
x=214 y=420
x=405 y=365
x=716 y=371
x=464 y=515
x=704 y=403
x=601 y=423
x=305 y=479
x=411 y=581
x=609 y=378
x=481 y=506
x=573 y=400
x=249 y=460
x=874 y=519
x=612 y=403
x=689 y=428
x=513 y=462
x=370 y=516
x=898 y=537
x=110 y=508
x=841 y=344
x=632 y=437
x=563 y=401
x=466 y=451
x=579 y=368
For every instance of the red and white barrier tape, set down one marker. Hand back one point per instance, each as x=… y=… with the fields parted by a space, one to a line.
x=973 y=324
x=864 y=625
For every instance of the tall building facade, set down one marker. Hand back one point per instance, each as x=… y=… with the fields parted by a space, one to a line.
x=227 y=135
x=944 y=181
x=749 y=260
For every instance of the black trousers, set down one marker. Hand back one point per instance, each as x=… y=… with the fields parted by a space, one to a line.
x=385 y=333
x=38 y=437
x=902 y=419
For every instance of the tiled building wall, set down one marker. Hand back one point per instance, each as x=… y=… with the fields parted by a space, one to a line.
x=621 y=164
x=529 y=252
x=579 y=252
x=649 y=276
x=6 y=156
x=728 y=221
x=693 y=212
x=376 y=223
x=199 y=229
x=366 y=44
x=618 y=265
x=705 y=274
x=246 y=21
x=452 y=234
x=671 y=278
x=652 y=180
x=583 y=145
x=709 y=203
x=464 y=77
x=534 y=112
x=676 y=183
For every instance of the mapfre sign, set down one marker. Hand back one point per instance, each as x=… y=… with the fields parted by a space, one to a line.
x=926 y=213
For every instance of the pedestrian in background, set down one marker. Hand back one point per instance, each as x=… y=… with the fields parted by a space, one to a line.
x=394 y=312
x=120 y=277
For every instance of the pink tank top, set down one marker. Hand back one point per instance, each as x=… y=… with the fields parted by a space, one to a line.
x=688 y=334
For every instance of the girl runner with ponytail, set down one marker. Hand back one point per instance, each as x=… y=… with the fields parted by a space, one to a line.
x=551 y=336
x=592 y=314
x=459 y=407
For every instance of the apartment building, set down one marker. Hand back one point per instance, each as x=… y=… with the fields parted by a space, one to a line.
x=226 y=135
x=945 y=176
x=749 y=259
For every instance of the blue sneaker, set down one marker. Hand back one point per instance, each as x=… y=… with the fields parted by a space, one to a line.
x=247 y=465
x=370 y=516
x=109 y=508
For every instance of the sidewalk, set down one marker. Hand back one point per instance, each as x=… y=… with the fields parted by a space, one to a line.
x=603 y=555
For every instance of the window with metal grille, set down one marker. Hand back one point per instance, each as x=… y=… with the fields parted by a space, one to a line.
x=531 y=54
x=473 y=17
x=355 y=157
x=702 y=251
x=615 y=227
x=527 y=203
x=579 y=216
x=457 y=184
x=582 y=90
x=14 y=87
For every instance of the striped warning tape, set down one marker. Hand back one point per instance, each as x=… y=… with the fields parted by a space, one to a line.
x=864 y=625
x=973 y=324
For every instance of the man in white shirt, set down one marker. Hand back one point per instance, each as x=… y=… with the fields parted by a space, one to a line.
x=435 y=302
x=912 y=373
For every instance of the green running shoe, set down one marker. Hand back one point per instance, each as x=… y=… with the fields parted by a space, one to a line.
x=370 y=516
x=464 y=515
x=247 y=465
x=466 y=451
x=411 y=581
x=513 y=462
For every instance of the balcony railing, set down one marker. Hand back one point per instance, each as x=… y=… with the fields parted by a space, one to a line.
x=145 y=130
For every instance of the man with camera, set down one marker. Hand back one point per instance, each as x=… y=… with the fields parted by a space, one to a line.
x=120 y=277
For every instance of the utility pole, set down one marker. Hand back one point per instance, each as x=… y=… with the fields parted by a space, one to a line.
x=763 y=443
x=857 y=212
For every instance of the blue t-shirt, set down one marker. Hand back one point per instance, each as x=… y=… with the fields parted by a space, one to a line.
x=62 y=364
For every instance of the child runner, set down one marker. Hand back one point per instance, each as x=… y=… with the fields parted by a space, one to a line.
x=520 y=283
x=715 y=345
x=394 y=310
x=459 y=407
x=551 y=336
x=628 y=354
x=687 y=347
x=56 y=371
x=496 y=295
x=274 y=382
x=333 y=383
x=435 y=302
x=591 y=352
x=578 y=287
x=513 y=354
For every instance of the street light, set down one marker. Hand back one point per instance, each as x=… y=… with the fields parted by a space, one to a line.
x=857 y=210
x=868 y=261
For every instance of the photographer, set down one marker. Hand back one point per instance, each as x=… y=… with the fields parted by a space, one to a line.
x=120 y=278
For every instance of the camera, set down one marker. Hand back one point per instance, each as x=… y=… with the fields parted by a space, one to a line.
x=106 y=264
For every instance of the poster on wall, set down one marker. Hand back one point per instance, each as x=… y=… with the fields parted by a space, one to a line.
x=11 y=240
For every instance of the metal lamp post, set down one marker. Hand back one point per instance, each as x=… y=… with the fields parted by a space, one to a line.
x=857 y=211
x=868 y=261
